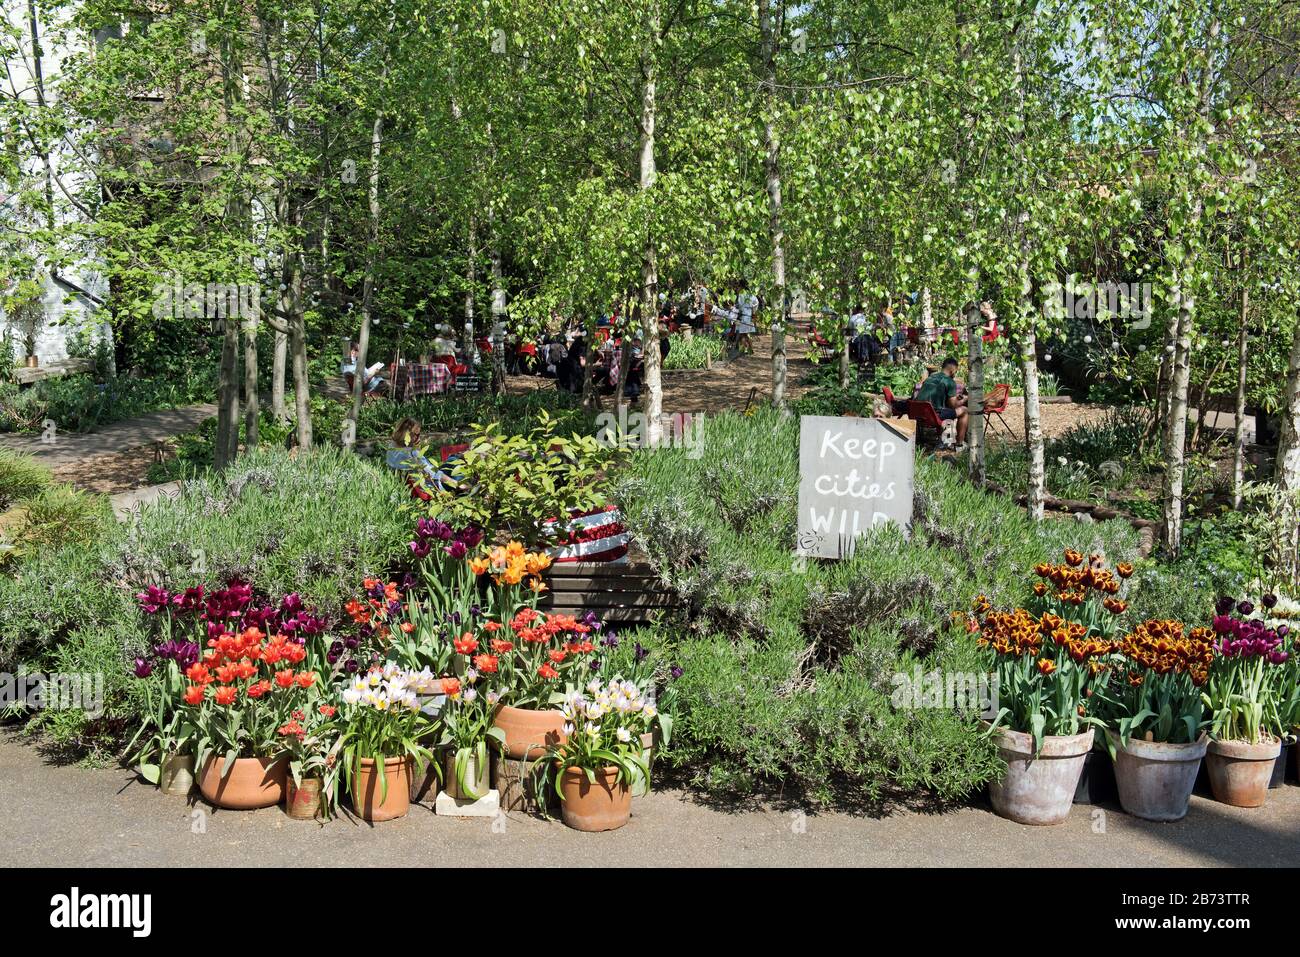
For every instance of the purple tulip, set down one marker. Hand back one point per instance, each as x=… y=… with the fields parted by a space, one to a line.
x=641 y=654
x=1224 y=605
x=676 y=671
x=1268 y=601
x=1245 y=607
x=143 y=669
x=153 y=599
x=456 y=551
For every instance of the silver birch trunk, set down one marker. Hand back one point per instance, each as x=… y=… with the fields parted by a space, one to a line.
x=367 y=288
x=1239 y=422
x=776 y=232
x=975 y=393
x=652 y=379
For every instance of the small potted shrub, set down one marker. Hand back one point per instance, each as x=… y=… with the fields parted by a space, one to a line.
x=381 y=725
x=1047 y=663
x=593 y=769
x=1243 y=693
x=1156 y=717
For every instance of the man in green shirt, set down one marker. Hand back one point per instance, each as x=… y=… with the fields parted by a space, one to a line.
x=941 y=391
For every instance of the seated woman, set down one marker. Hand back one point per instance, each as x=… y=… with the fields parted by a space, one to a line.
x=407 y=458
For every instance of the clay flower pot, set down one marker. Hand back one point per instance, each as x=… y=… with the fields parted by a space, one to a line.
x=302 y=801
x=251 y=783
x=1039 y=788
x=528 y=732
x=371 y=801
x=1155 y=779
x=1240 y=772
x=602 y=806
x=176 y=776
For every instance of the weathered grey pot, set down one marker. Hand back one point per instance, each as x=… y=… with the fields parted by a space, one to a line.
x=1155 y=779
x=1239 y=772
x=176 y=776
x=1039 y=788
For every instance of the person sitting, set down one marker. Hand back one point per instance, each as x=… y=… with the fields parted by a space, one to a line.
x=373 y=383
x=406 y=457
x=941 y=391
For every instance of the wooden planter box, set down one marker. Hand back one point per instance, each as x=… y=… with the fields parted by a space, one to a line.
x=627 y=593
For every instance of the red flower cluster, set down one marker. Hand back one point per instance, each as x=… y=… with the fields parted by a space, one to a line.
x=233 y=659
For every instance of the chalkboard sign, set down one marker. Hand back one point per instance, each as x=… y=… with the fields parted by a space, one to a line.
x=853 y=474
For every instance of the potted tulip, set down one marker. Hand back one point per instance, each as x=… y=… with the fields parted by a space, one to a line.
x=637 y=665
x=592 y=770
x=311 y=743
x=240 y=693
x=381 y=726
x=165 y=757
x=467 y=727
x=1046 y=665
x=1156 y=717
x=536 y=653
x=1243 y=694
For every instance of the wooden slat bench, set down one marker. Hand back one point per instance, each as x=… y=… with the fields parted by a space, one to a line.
x=628 y=593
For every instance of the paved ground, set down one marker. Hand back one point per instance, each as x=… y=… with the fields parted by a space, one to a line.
x=73 y=447
x=76 y=817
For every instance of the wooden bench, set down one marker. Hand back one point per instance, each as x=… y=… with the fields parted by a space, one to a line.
x=626 y=593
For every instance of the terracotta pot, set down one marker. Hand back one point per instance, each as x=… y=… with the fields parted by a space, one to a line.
x=478 y=778
x=602 y=806
x=1239 y=772
x=1155 y=779
x=1038 y=788
x=375 y=803
x=33 y=362
x=528 y=731
x=176 y=776
x=640 y=783
x=251 y=783
x=302 y=801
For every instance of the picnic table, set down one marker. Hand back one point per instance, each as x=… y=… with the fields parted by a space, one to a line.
x=427 y=378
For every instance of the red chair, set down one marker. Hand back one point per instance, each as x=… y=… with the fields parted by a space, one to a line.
x=447 y=451
x=892 y=400
x=995 y=403
x=925 y=416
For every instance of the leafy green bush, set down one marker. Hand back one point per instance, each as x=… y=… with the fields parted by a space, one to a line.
x=315 y=522
x=20 y=477
x=62 y=515
x=517 y=483
x=1118 y=436
x=693 y=353
x=789 y=663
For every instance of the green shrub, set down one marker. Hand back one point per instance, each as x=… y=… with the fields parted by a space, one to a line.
x=20 y=477
x=316 y=523
x=62 y=515
x=78 y=403
x=789 y=663
x=1118 y=436
x=693 y=353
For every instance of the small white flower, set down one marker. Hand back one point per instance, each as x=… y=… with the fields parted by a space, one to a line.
x=470 y=694
x=624 y=735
